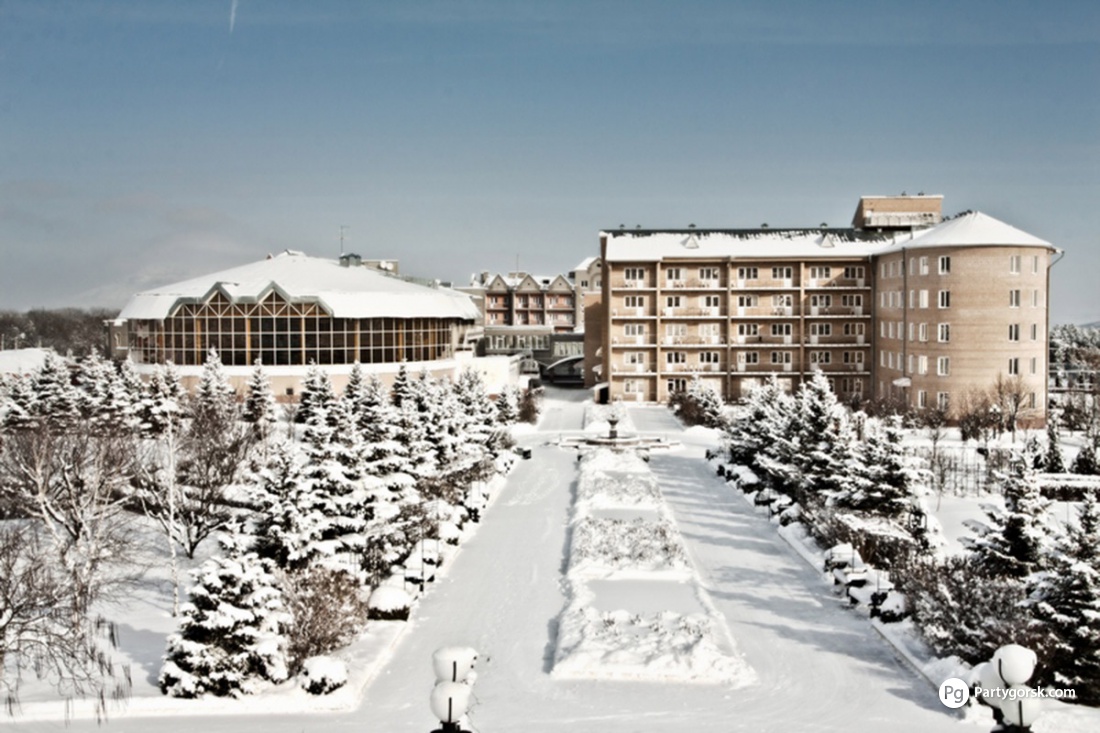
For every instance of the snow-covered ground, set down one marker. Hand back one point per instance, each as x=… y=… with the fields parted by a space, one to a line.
x=818 y=665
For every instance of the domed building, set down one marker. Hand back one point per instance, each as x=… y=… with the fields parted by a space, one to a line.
x=290 y=310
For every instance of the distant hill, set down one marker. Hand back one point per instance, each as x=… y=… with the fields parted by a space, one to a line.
x=1094 y=324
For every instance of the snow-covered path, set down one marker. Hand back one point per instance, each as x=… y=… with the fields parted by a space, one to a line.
x=821 y=668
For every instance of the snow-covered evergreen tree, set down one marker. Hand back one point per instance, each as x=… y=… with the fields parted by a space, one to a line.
x=1067 y=605
x=164 y=400
x=56 y=400
x=355 y=390
x=1012 y=542
x=19 y=405
x=232 y=633
x=824 y=442
x=1053 y=461
x=1085 y=463
x=259 y=402
x=316 y=394
x=214 y=395
x=508 y=405
x=402 y=383
x=288 y=522
x=748 y=435
x=93 y=381
x=884 y=481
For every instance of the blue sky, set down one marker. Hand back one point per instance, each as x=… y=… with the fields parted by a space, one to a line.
x=142 y=142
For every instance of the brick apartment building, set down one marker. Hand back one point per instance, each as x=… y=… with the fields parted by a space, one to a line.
x=901 y=305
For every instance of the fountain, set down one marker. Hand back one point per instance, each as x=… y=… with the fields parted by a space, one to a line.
x=614 y=439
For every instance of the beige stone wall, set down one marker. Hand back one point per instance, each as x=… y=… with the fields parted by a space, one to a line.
x=988 y=306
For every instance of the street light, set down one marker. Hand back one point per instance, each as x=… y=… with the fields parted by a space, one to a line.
x=1014 y=709
x=454 y=675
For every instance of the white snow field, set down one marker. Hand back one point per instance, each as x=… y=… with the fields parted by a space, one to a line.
x=818 y=666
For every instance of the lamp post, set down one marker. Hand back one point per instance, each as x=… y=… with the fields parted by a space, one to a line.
x=454 y=675
x=1014 y=709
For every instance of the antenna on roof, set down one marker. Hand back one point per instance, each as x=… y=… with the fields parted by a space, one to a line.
x=343 y=228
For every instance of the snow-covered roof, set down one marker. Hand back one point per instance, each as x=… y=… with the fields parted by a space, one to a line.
x=345 y=292
x=648 y=245
x=975 y=229
x=970 y=229
x=22 y=361
x=585 y=263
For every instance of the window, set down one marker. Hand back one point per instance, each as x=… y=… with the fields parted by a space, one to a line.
x=912 y=266
x=781 y=357
x=890 y=329
x=922 y=364
x=708 y=273
x=943 y=365
x=922 y=399
x=882 y=358
x=749 y=357
x=924 y=265
x=1014 y=332
x=1034 y=298
x=1035 y=264
x=1031 y=401
x=634 y=301
x=747 y=273
x=1013 y=298
x=942 y=401
x=1013 y=366
x=748 y=301
x=924 y=299
x=1034 y=366
x=675 y=357
x=677 y=385
x=673 y=301
x=674 y=273
x=748 y=329
x=922 y=332
x=634 y=329
x=943 y=333
x=1014 y=264
x=634 y=357
x=1034 y=331
x=851 y=301
x=711 y=301
x=853 y=357
x=708 y=357
x=676 y=329
x=910 y=368
x=853 y=273
x=945 y=265
x=821 y=329
x=854 y=329
x=631 y=386
x=945 y=298
x=821 y=357
x=709 y=330
x=782 y=301
x=781 y=329
x=882 y=270
x=912 y=299
x=882 y=329
x=912 y=331
x=634 y=273
x=782 y=273
x=821 y=273
x=821 y=301
x=890 y=359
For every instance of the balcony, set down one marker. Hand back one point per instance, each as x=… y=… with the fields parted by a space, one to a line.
x=632 y=284
x=709 y=284
x=628 y=312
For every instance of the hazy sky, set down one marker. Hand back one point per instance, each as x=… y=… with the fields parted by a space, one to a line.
x=142 y=142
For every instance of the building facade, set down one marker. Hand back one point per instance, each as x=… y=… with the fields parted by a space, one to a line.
x=892 y=310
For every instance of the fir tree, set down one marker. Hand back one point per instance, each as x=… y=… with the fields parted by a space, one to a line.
x=163 y=402
x=1054 y=461
x=402 y=383
x=355 y=390
x=1085 y=463
x=885 y=480
x=1067 y=605
x=508 y=405
x=93 y=380
x=289 y=522
x=259 y=403
x=1012 y=542
x=232 y=633
x=385 y=461
x=55 y=399
x=824 y=440
x=19 y=405
x=317 y=394
x=214 y=395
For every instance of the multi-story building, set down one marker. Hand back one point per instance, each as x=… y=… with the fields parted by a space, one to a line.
x=890 y=308
x=539 y=316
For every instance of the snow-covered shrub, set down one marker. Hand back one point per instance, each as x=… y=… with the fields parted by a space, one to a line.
x=530 y=405
x=326 y=611
x=389 y=603
x=322 y=675
x=960 y=609
x=231 y=634
x=619 y=544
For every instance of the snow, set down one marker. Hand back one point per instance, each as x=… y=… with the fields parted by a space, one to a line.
x=22 y=361
x=389 y=598
x=819 y=666
x=344 y=292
